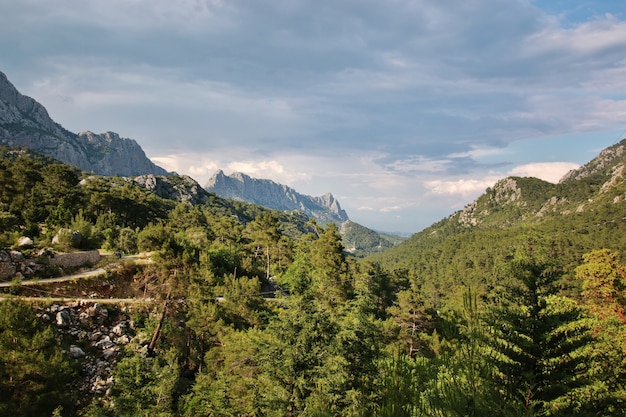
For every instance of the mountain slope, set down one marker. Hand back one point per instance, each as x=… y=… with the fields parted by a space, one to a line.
x=26 y=123
x=584 y=211
x=268 y=193
x=361 y=241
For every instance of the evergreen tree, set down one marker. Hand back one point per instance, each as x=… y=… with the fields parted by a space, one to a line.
x=604 y=294
x=331 y=273
x=34 y=372
x=537 y=337
x=144 y=386
x=264 y=235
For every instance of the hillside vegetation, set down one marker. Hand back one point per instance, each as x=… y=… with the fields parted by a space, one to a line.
x=585 y=211
x=514 y=306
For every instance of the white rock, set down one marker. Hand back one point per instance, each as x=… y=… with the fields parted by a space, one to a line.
x=25 y=242
x=63 y=318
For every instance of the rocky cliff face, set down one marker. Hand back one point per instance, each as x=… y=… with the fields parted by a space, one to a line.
x=270 y=194
x=26 y=123
x=179 y=188
x=607 y=159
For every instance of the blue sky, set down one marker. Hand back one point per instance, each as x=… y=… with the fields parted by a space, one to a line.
x=406 y=110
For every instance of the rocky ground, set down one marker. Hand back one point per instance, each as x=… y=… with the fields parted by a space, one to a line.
x=94 y=335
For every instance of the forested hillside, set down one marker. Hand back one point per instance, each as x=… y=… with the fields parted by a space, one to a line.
x=585 y=211
x=513 y=307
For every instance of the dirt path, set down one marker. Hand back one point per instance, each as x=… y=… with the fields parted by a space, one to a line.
x=140 y=259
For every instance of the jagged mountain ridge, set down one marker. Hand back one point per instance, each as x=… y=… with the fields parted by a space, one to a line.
x=267 y=193
x=26 y=123
x=607 y=158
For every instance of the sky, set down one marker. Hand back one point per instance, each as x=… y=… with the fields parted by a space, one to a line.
x=405 y=110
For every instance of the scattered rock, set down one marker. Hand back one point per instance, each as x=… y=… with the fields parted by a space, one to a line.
x=120 y=329
x=25 y=242
x=91 y=325
x=63 y=318
x=94 y=336
x=104 y=343
x=76 y=352
x=123 y=340
x=109 y=354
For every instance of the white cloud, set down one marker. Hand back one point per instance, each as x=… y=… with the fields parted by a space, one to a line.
x=199 y=167
x=420 y=164
x=472 y=187
x=384 y=105
x=547 y=171
x=389 y=209
x=587 y=38
x=465 y=188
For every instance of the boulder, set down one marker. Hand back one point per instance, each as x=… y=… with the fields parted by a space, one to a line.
x=16 y=256
x=76 y=352
x=63 y=318
x=94 y=336
x=109 y=353
x=25 y=242
x=120 y=329
x=7 y=266
x=104 y=343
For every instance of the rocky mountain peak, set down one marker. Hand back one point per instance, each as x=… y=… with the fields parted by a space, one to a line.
x=26 y=123
x=608 y=158
x=267 y=193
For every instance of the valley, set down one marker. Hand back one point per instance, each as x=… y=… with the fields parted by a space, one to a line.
x=514 y=305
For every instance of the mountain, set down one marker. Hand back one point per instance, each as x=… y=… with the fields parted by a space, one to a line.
x=25 y=123
x=583 y=212
x=268 y=193
x=361 y=241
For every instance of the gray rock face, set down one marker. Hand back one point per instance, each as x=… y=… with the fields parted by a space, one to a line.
x=267 y=193
x=179 y=188
x=26 y=123
x=605 y=160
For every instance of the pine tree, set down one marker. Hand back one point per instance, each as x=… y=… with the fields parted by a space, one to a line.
x=604 y=294
x=33 y=370
x=537 y=337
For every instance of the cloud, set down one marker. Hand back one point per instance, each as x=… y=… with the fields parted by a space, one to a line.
x=419 y=163
x=465 y=188
x=389 y=209
x=472 y=187
x=389 y=105
x=547 y=171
